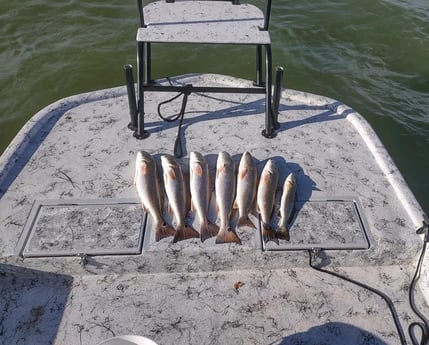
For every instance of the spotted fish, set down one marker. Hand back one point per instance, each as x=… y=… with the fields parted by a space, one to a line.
x=176 y=191
x=266 y=197
x=225 y=194
x=149 y=190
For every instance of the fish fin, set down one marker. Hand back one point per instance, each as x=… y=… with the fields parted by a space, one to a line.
x=160 y=189
x=268 y=234
x=188 y=204
x=227 y=236
x=208 y=229
x=185 y=233
x=291 y=216
x=198 y=170
x=264 y=179
x=164 y=230
x=283 y=233
x=221 y=169
x=170 y=210
x=187 y=191
x=245 y=221
x=235 y=205
x=242 y=173
x=144 y=168
x=254 y=205
x=171 y=174
x=233 y=212
x=273 y=211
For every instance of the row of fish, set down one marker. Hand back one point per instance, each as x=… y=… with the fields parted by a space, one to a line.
x=233 y=190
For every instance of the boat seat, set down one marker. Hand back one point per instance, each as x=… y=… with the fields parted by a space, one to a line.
x=211 y=22
x=201 y=22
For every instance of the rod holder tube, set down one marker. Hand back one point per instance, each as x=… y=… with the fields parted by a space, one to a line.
x=268 y=132
x=259 y=78
x=140 y=132
x=131 y=91
x=276 y=96
x=141 y=14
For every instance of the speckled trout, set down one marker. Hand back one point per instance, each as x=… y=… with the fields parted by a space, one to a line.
x=175 y=189
x=247 y=179
x=266 y=197
x=225 y=194
x=148 y=188
x=287 y=206
x=201 y=193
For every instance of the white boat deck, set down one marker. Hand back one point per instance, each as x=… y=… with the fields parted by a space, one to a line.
x=78 y=260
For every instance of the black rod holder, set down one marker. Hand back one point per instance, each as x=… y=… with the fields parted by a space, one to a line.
x=141 y=14
x=131 y=91
x=148 y=63
x=267 y=15
x=276 y=96
x=259 y=78
x=268 y=132
x=140 y=132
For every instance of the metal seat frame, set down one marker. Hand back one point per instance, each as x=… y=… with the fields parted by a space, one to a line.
x=145 y=82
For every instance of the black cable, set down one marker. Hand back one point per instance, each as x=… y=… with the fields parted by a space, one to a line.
x=367 y=287
x=171 y=118
x=423 y=325
x=186 y=91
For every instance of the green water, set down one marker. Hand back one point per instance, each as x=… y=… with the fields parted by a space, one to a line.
x=370 y=54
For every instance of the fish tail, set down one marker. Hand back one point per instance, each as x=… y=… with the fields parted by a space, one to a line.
x=283 y=233
x=227 y=236
x=164 y=230
x=208 y=229
x=245 y=221
x=184 y=233
x=268 y=234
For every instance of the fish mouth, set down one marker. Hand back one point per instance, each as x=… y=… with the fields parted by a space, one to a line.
x=143 y=156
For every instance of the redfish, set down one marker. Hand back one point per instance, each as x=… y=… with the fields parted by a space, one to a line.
x=225 y=194
x=266 y=197
x=247 y=179
x=201 y=193
x=287 y=206
x=176 y=191
x=147 y=183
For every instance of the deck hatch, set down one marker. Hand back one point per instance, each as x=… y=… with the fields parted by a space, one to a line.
x=75 y=227
x=336 y=223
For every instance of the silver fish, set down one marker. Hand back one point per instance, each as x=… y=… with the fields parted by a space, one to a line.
x=149 y=190
x=287 y=206
x=225 y=194
x=247 y=179
x=175 y=189
x=266 y=197
x=201 y=193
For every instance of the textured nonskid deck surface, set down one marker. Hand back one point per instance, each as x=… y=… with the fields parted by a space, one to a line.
x=293 y=306
x=91 y=268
